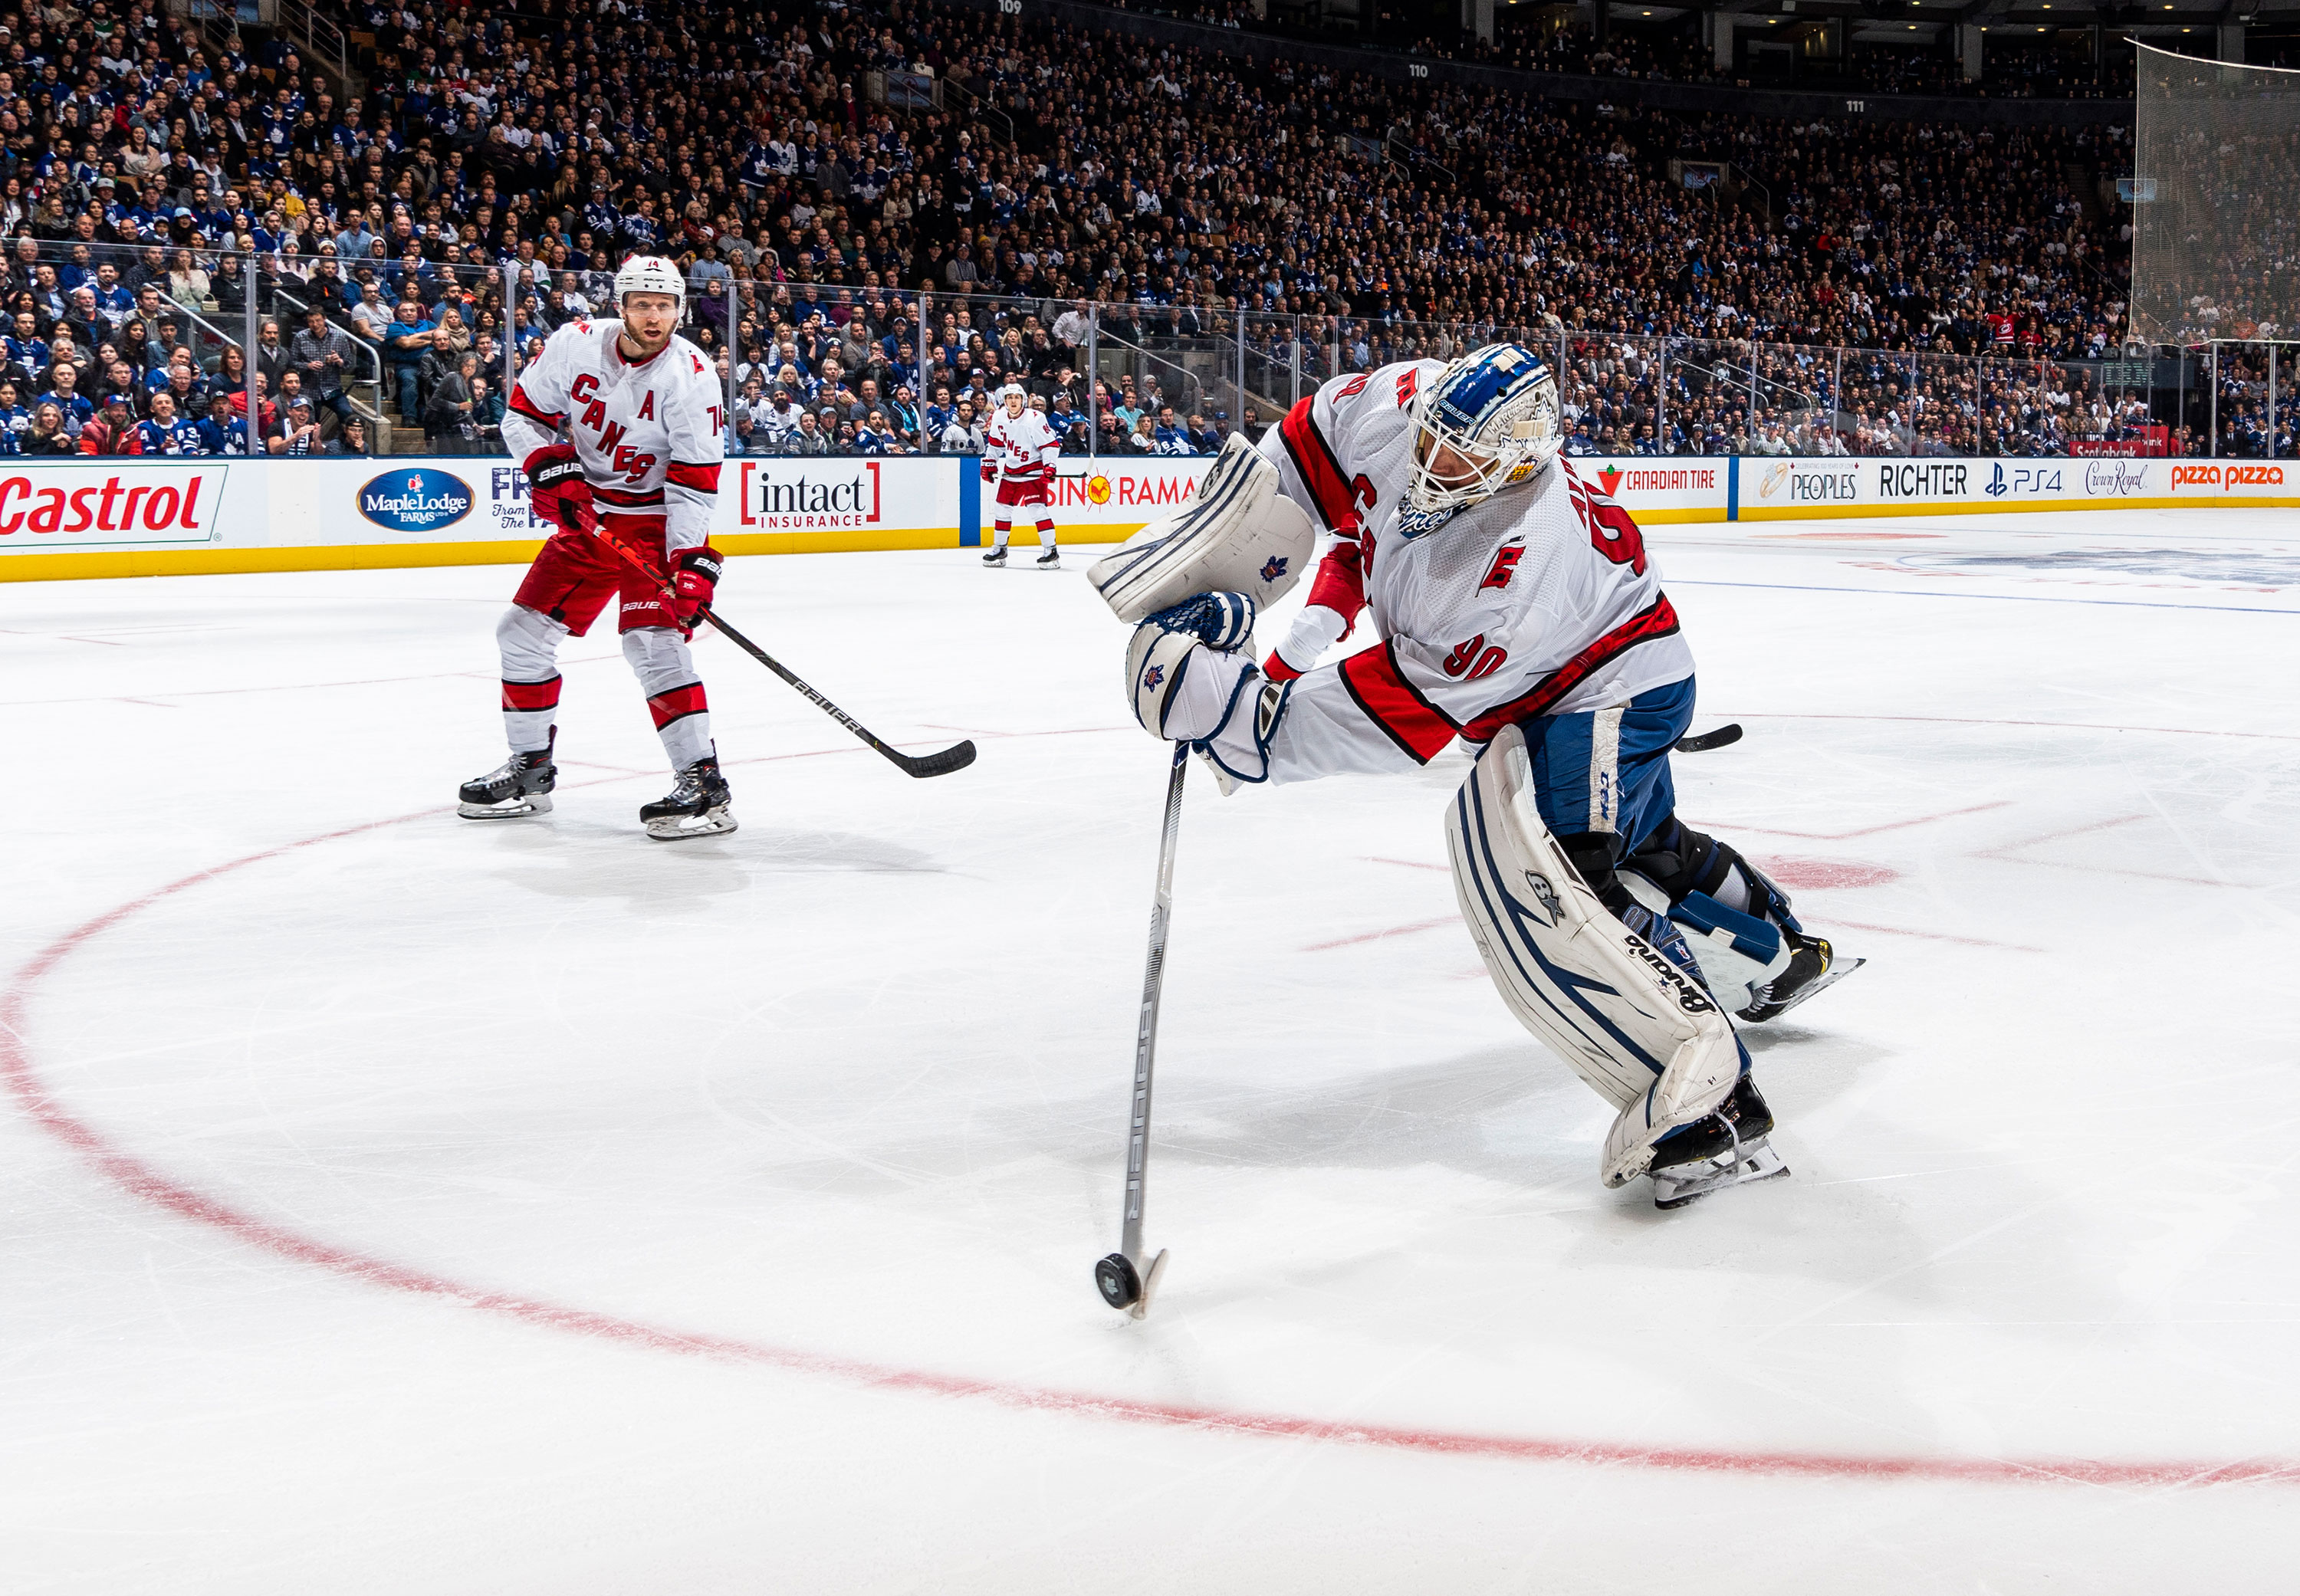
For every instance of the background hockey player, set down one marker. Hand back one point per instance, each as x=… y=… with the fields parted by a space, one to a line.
x=1521 y=613
x=1019 y=452
x=640 y=409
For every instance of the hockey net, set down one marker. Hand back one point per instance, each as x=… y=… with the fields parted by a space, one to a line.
x=2216 y=176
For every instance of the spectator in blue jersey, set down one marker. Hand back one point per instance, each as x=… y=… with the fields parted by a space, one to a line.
x=66 y=397
x=167 y=432
x=406 y=342
x=1169 y=435
x=26 y=351
x=223 y=433
x=113 y=299
x=15 y=420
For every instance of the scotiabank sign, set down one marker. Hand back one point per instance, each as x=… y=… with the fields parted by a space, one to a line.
x=97 y=505
x=816 y=494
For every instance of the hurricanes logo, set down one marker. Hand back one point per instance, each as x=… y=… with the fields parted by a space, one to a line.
x=1097 y=490
x=1274 y=567
x=1608 y=480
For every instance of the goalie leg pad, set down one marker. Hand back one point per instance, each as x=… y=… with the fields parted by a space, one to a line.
x=1236 y=535
x=1622 y=1015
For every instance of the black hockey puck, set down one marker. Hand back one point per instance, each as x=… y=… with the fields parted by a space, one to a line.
x=1115 y=1279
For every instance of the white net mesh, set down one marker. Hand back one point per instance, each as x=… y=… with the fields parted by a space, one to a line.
x=2216 y=229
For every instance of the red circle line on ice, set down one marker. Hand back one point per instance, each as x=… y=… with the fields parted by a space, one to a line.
x=121 y=1166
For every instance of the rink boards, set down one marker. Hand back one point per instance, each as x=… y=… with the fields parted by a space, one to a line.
x=125 y=517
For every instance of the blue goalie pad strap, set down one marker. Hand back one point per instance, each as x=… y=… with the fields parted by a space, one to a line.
x=1752 y=938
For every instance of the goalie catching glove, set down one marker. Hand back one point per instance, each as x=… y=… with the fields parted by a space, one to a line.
x=1191 y=679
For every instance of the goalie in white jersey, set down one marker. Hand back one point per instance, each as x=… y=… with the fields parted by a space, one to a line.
x=1019 y=452
x=1518 y=611
x=642 y=413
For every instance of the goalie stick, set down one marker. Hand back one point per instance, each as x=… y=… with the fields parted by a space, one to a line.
x=957 y=757
x=1121 y=1278
x=1724 y=736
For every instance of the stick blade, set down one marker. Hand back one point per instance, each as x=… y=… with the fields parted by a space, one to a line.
x=957 y=758
x=1724 y=736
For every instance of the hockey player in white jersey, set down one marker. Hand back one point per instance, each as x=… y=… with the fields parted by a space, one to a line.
x=1019 y=452
x=641 y=411
x=1518 y=611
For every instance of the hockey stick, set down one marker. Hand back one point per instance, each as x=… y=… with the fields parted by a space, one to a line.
x=957 y=757
x=1724 y=736
x=1121 y=1278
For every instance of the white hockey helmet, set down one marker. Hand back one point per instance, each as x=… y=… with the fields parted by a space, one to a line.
x=1012 y=390
x=650 y=274
x=1494 y=409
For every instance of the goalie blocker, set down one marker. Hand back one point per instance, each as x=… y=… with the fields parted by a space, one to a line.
x=1623 y=1015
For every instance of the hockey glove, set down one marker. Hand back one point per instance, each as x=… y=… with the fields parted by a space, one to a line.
x=990 y=473
x=1186 y=667
x=697 y=580
x=557 y=488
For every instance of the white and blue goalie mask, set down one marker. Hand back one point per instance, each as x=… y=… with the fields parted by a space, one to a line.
x=1488 y=420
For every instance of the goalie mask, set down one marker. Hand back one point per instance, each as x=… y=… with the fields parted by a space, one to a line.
x=1488 y=420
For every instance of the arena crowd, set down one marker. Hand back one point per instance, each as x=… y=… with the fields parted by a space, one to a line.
x=887 y=215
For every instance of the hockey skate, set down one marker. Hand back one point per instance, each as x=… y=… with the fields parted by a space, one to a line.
x=1050 y=560
x=1727 y=1148
x=695 y=807
x=1812 y=967
x=994 y=557
x=520 y=785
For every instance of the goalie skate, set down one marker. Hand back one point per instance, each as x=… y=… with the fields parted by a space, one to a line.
x=1812 y=967
x=1729 y=1148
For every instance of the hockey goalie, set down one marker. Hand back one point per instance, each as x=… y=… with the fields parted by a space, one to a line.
x=1518 y=611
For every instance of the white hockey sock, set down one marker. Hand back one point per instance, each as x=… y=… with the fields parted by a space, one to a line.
x=1003 y=530
x=1046 y=533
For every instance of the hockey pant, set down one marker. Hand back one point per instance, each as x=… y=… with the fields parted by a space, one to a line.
x=571 y=581
x=1014 y=494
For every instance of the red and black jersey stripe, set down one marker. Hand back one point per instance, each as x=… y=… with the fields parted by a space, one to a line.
x=700 y=479
x=629 y=498
x=1657 y=620
x=1396 y=705
x=526 y=407
x=1321 y=472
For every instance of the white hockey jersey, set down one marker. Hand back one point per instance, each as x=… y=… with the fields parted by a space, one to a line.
x=1024 y=448
x=650 y=436
x=1539 y=600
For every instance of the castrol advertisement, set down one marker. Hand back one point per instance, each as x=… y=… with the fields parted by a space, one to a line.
x=108 y=504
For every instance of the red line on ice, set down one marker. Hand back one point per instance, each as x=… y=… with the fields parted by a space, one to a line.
x=131 y=1174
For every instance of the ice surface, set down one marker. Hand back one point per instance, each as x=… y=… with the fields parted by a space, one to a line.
x=529 y=1207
